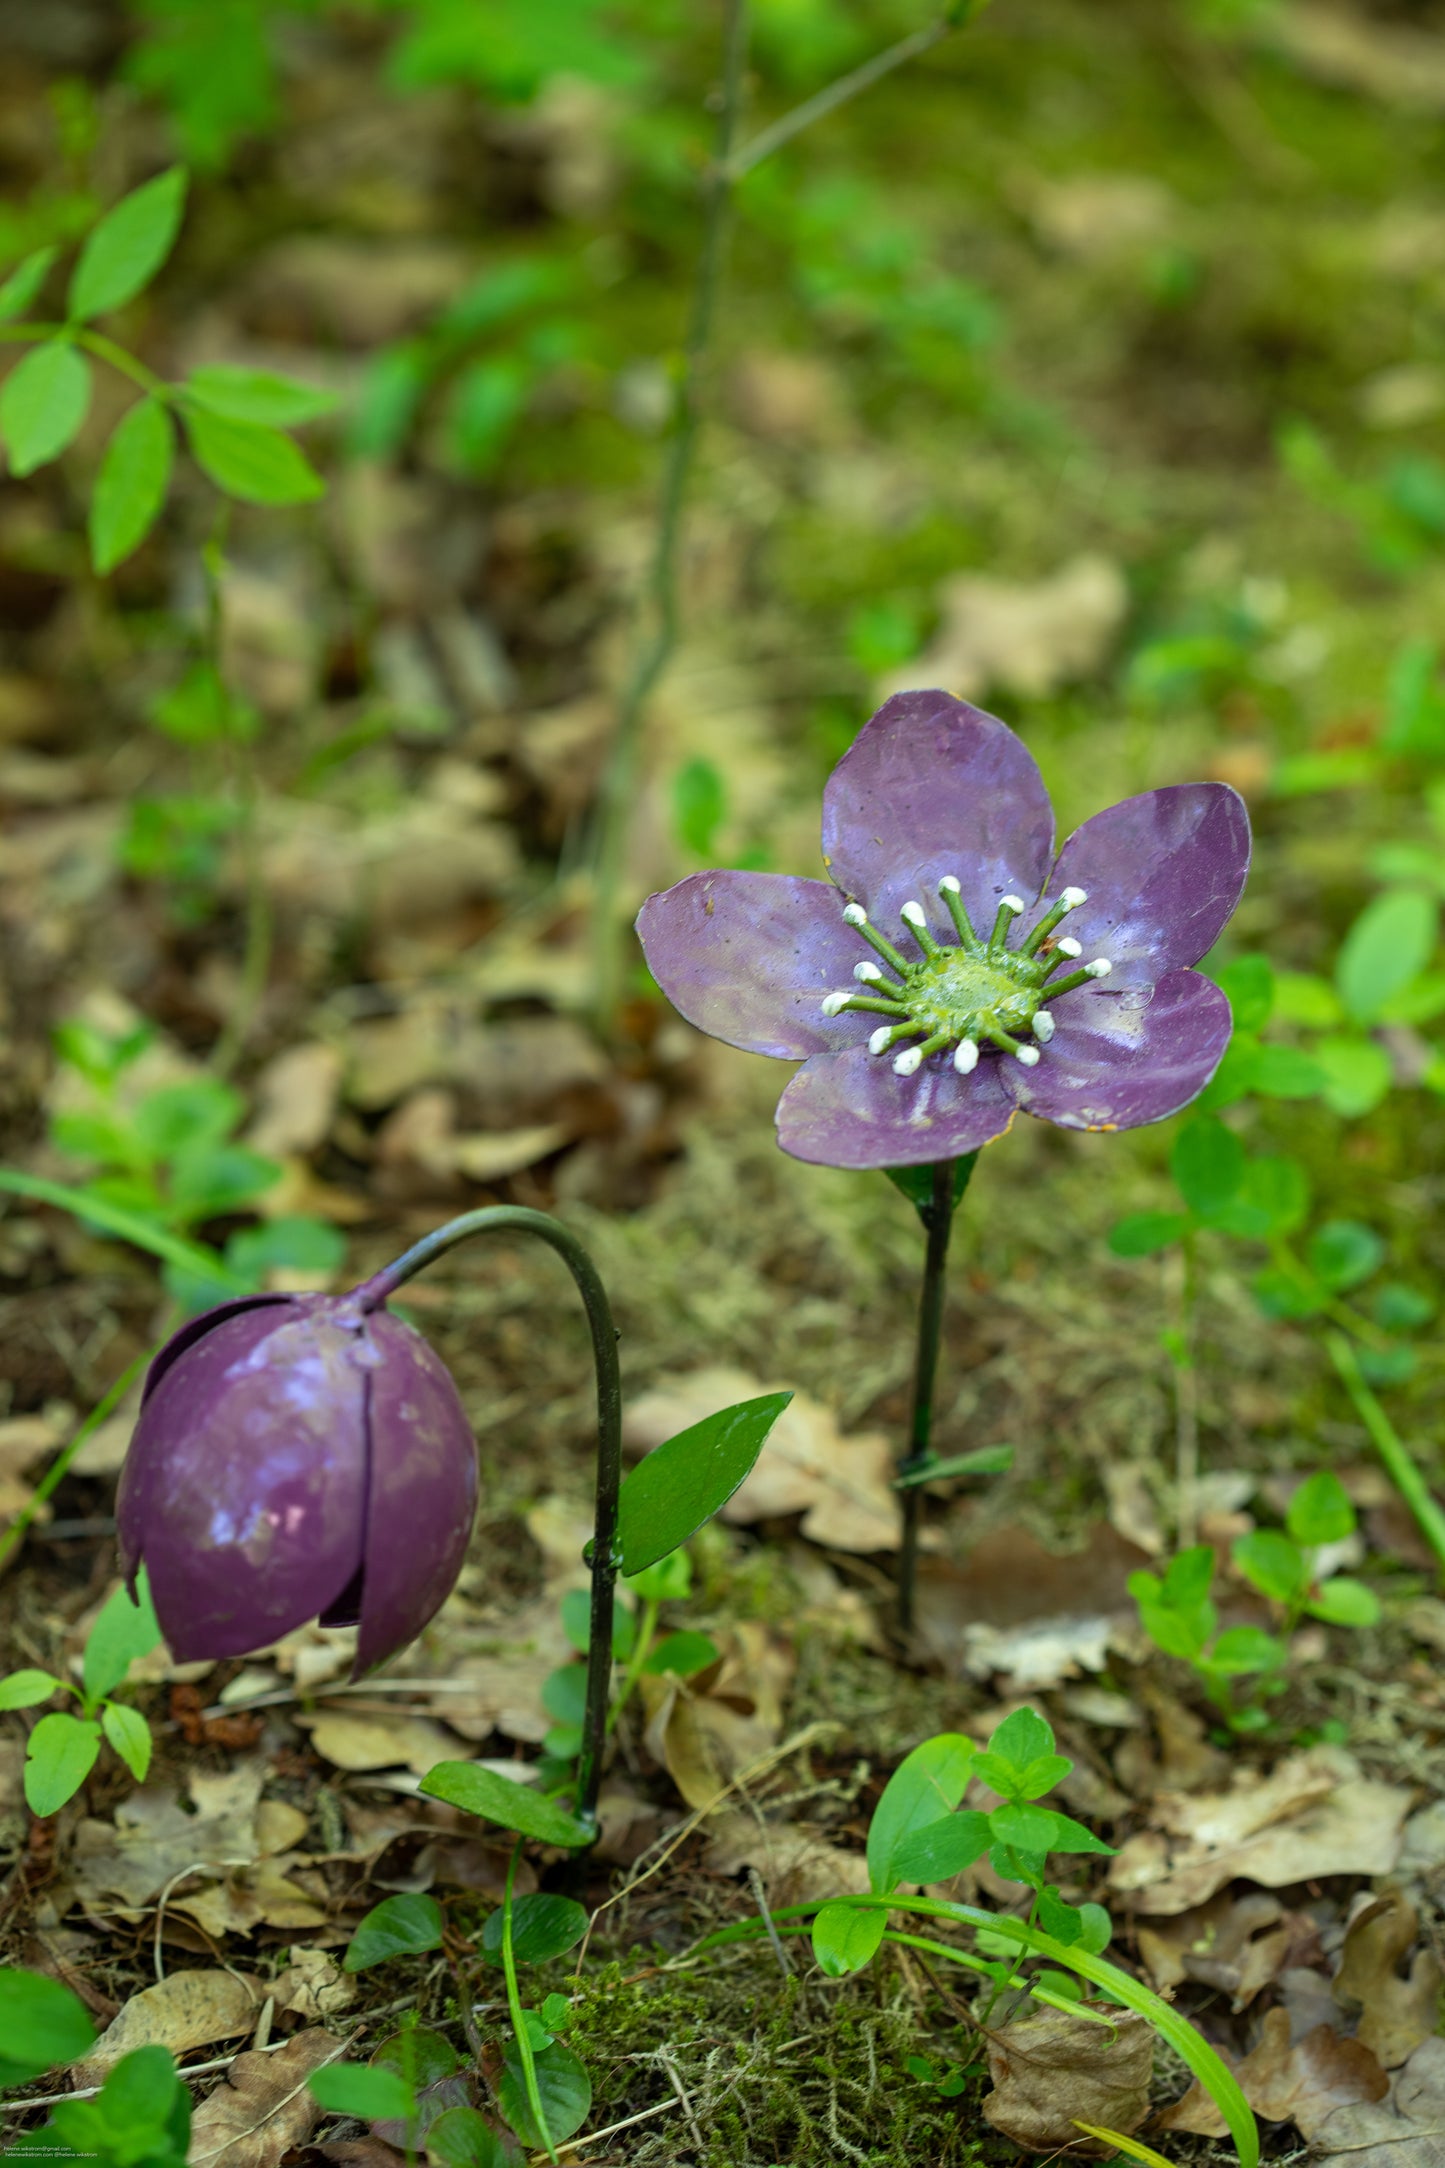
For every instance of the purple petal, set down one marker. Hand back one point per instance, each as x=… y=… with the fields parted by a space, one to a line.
x=932 y=786
x=1119 y=1060
x=243 y=1488
x=748 y=958
x=1162 y=872
x=423 y=1490
x=850 y=1110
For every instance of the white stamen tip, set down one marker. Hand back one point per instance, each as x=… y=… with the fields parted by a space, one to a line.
x=908 y=1063
x=867 y=974
x=855 y=914
x=879 y=1040
x=1012 y=903
x=1070 y=947
x=948 y=885
x=1029 y=1056
x=1043 y=1026
x=912 y=914
x=965 y=1057
x=1073 y=897
x=834 y=1003
x=1099 y=968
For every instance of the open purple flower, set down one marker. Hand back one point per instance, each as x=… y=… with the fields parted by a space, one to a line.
x=297 y=1456
x=950 y=971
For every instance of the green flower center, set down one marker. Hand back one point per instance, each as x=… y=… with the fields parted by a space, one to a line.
x=957 y=996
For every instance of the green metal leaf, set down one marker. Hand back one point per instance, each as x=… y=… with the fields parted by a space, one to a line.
x=684 y=1482
x=497 y=1799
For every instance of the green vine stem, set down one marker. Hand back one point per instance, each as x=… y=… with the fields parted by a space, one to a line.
x=604 y=1556
x=616 y=796
x=950 y=1179
x=1393 y=1451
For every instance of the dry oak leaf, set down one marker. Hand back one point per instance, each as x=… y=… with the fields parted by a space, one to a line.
x=185 y=2010
x=841 y=1486
x=1397 y=2011
x=357 y=1739
x=263 y=2108
x=1237 y=1944
x=706 y=1728
x=153 y=1839
x=1405 y=2131
x=313 y=1986
x=1025 y=637
x=1054 y=2071
x=1312 y=1815
x=1300 y=2084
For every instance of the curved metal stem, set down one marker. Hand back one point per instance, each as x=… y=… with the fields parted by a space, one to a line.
x=605 y=1556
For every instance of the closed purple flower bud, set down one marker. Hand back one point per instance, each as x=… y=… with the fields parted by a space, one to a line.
x=297 y=1456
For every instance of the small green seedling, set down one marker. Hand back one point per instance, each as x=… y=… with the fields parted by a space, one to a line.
x=1290 y=1568
x=140 y=2118
x=62 y=1748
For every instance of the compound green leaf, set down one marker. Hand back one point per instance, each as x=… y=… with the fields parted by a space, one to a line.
x=130 y=1735
x=257 y=395
x=926 y=1785
x=124 y=252
x=131 y=486
x=58 y=1759
x=42 y=2024
x=250 y=462
x=43 y=402
x=25 y=282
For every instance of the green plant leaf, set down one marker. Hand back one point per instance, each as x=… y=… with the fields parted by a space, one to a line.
x=563 y=2085
x=1271 y=1563
x=1345 y=1602
x=564 y=1693
x=42 y=2025
x=684 y=1482
x=576 y=1612
x=245 y=460
x=131 y=485
x=1320 y=1511
x=497 y=1799
x=1246 y=1648
x=1207 y=1164
x=124 y=252
x=1272 y=1199
x=1249 y=984
x=1288 y=1291
x=1020 y=1761
x=461 y=2138
x=114 y=1219
x=668 y=1580
x=130 y=1735
x=682 y=1654
x=1345 y=1253
x=123 y=1631
x=25 y=282
x=1281 y=1072
x=699 y=806
x=1357 y=1075
x=418 y=2055
x=916 y=1183
x=23 y=1689
x=58 y=1759
x=373 y=2096
x=1389 y=944
x=1143 y=1233
x=258 y=395
x=543 y=1927
x=927 y=1784
x=942 y=1848
x=403 y=1926
x=43 y=402
x=1023 y=1828
x=291 y=1243
x=847 y=1937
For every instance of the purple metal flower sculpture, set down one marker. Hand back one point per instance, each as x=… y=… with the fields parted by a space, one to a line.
x=950 y=972
x=296 y=1456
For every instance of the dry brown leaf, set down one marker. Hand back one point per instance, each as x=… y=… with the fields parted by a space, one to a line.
x=1032 y=1616
x=1397 y=2011
x=263 y=2107
x=153 y=1839
x=1054 y=2071
x=1405 y=2131
x=365 y=1739
x=263 y=1895
x=185 y=2010
x=279 y=1826
x=1313 y=1815
x=706 y=1728
x=1237 y=1944
x=796 y=1865
x=1300 y=2084
x=1023 y=637
x=1180 y=1757
x=841 y=1485
x=313 y=1986
x=296 y=1096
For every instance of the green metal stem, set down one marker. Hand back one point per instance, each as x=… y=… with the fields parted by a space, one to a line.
x=937 y=1218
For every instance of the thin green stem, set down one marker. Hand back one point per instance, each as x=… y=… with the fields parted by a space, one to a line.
x=619 y=783
x=1186 y=1398
x=55 y=1474
x=113 y=1219
x=94 y=342
x=605 y=1555
x=518 y=2015
x=1393 y=1451
x=641 y=1650
x=937 y=1217
x=850 y=86
x=256 y=953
